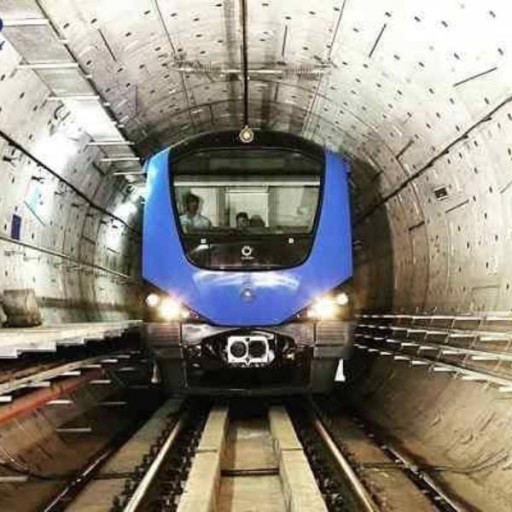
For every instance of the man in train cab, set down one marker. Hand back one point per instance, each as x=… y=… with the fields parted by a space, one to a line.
x=191 y=219
x=242 y=220
x=256 y=221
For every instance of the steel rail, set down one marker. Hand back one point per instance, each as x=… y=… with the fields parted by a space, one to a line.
x=80 y=479
x=426 y=478
x=144 y=485
x=360 y=491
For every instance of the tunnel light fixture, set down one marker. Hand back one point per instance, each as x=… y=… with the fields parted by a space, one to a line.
x=269 y=71
x=77 y=97
x=50 y=65
x=488 y=357
x=473 y=378
x=25 y=22
x=60 y=401
x=13 y=479
x=252 y=71
x=120 y=159
x=494 y=338
x=128 y=173
x=110 y=143
x=74 y=430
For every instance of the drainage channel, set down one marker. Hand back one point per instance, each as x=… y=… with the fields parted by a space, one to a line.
x=234 y=457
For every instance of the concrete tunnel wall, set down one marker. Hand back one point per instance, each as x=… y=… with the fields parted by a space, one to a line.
x=81 y=262
x=417 y=94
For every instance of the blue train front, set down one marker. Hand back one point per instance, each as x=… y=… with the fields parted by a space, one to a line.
x=248 y=248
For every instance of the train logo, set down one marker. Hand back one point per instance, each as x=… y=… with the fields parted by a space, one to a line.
x=247 y=251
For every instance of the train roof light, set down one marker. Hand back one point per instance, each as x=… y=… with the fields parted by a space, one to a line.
x=246 y=135
x=152 y=300
x=342 y=299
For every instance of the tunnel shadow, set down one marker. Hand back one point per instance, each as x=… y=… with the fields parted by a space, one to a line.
x=372 y=284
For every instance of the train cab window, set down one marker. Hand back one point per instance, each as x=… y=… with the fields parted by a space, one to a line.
x=246 y=208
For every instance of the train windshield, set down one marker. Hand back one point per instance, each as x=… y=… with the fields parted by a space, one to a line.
x=243 y=207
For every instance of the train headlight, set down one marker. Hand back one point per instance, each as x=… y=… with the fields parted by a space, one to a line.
x=152 y=300
x=325 y=308
x=342 y=299
x=171 y=309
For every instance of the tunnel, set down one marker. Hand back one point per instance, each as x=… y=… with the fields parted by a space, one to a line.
x=416 y=96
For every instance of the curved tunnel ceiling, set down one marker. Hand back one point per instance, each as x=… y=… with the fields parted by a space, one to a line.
x=354 y=75
x=405 y=88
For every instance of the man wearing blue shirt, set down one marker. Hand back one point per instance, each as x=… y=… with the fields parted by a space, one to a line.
x=192 y=220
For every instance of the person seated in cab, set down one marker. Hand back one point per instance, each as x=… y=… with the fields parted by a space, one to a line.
x=256 y=221
x=242 y=220
x=192 y=220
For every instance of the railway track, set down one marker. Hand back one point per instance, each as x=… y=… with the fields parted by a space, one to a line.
x=250 y=455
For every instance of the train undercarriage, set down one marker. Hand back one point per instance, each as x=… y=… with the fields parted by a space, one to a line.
x=298 y=357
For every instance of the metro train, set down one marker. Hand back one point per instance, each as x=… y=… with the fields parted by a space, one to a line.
x=247 y=249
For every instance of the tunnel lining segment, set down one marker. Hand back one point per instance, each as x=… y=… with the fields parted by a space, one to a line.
x=385 y=199
x=68 y=184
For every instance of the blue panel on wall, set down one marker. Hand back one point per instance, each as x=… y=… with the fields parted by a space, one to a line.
x=16 y=227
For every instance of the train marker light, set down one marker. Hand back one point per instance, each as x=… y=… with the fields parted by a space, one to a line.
x=325 y=308
x=342 y=299
x=170 y=309
x=152 y=300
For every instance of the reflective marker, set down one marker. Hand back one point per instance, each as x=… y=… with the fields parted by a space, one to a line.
x=340 y=372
